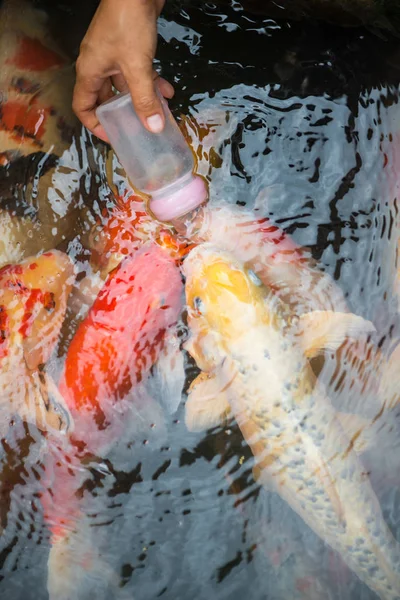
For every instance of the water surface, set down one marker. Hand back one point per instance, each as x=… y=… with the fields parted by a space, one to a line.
x=304 y=128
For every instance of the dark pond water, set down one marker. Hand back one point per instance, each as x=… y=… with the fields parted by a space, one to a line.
x=300 y=120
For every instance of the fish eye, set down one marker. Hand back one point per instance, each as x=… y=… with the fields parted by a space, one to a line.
x=254 y=278
x=198 y=305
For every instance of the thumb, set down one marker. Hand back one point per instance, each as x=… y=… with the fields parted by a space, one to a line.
x=142 y=87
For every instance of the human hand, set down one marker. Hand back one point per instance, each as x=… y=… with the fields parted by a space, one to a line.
x=118 y=50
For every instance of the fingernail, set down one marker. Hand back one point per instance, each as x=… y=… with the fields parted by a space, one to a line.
x=155 y=123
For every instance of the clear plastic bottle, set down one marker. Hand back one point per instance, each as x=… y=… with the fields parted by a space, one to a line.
x=159 y=164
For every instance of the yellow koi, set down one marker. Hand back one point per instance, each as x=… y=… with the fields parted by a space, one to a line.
x=255 y=361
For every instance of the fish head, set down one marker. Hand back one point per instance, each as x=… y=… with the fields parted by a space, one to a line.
x=224 y=298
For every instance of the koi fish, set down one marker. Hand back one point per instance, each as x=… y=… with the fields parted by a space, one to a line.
x=254 y=360
x=116 y=345
x=40 y=169
x=32 y=110
x=33 y=298
x=124 y=334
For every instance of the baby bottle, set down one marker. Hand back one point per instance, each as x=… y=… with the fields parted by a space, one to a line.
x=159 y=164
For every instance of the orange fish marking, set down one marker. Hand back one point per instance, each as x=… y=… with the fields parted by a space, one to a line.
x=35 y=298
x=11 y=270
x=4 y=159
x=287 y=249
x=304 y=584
x=116 y=232
x=4 y=332
x=33 y=303
x=32 y=55
x=176 y=246
x=126 y=227
x=24 y=120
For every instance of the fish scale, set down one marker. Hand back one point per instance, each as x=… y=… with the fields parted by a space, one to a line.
x=298 y=433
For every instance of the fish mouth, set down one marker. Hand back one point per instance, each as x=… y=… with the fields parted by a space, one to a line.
x=66 y=423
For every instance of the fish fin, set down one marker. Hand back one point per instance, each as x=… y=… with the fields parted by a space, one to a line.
x=357 y=430
x=207 y=405
x=76 y=565
x=326 y=330
x=256 y=472
x=48 y=410
x=263 y=479
x=168 y=377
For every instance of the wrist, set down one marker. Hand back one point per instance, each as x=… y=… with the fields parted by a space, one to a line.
x=156 y=5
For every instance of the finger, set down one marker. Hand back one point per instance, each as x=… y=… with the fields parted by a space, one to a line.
x=105 y=92
x=84 y=103
x=142 y=87
x=166 y=89
x=119 y=82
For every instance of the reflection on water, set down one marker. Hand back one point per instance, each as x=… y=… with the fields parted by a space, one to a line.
x=296 y=123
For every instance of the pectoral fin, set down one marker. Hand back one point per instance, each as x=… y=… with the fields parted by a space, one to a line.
x=45 y=407
x=327 y=330
x=166 y=384
x=259 y=476
x=207 y=405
